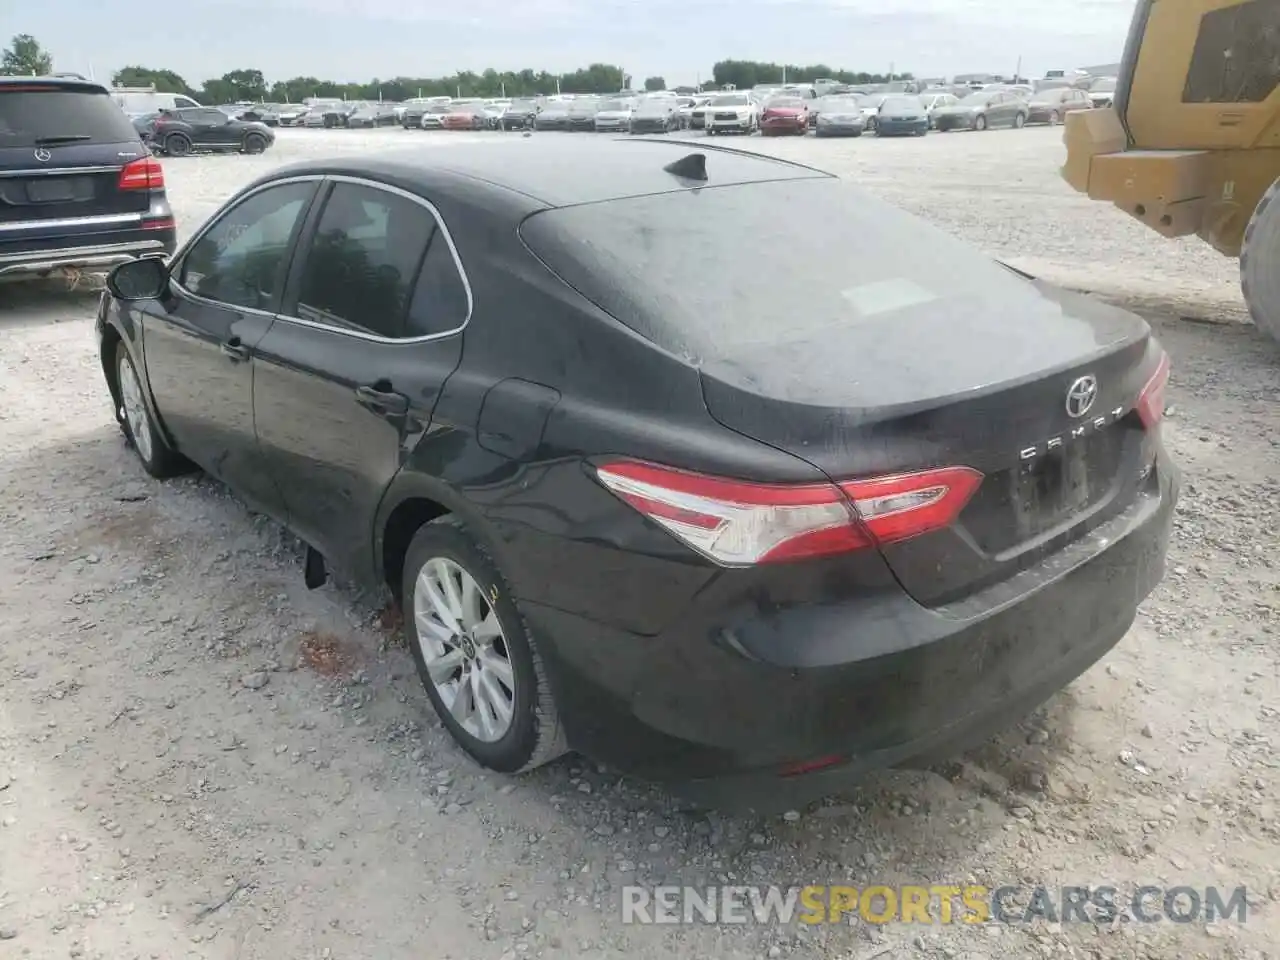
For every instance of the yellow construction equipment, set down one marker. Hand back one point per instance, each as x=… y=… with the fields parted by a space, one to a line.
x=1191 y=144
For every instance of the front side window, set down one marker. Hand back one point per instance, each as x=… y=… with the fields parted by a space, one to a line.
x=240 y=260
x=364 y=260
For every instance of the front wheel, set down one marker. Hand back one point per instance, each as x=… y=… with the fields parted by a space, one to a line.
x=475 y=655
x=255 y=143
x=158 y=459
x=1259 y=256
x=1019 y=120
x=1054 y=118
x=980 y=123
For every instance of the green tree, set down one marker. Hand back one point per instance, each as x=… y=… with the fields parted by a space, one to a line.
x=745 y=74
x=165 y=81
x=655 y=83
x=24 y=57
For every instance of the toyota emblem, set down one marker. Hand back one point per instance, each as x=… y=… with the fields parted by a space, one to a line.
x=1081 y=394
x=43 y=155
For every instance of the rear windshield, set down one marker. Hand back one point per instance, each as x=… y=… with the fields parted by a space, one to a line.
x=716 y=297
x=34 y=116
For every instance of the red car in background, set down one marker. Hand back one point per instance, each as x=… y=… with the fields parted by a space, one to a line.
x=468 y=116
x=784 y=115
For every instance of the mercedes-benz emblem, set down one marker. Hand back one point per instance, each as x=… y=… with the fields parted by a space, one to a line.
x=1081 y=394
x=43 y=155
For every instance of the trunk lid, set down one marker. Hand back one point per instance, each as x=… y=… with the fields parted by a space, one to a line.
x=899 y=348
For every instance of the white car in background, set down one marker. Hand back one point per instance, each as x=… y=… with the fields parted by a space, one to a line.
x=870 y=104
x=493 y=111
x=615 y=115
x=732 y=113
x=934 y=100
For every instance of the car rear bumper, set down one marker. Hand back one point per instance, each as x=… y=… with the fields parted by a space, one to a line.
x=722 y=704
x=890 y=128
x=100 y=250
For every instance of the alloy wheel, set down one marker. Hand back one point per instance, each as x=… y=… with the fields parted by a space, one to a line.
x=135 y=410
x=464 y=649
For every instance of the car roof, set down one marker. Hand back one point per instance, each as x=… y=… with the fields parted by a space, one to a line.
x=564 y=171
x=65 y=83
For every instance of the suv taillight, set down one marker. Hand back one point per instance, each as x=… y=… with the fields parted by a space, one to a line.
x=144 y=173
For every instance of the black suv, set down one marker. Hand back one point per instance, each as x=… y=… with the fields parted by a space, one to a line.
x=78 y=188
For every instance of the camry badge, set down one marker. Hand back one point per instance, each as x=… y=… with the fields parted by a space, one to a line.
x=43 y=155
x=1080 y=396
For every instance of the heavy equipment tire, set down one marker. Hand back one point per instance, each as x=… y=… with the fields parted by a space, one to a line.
x=1260 y=263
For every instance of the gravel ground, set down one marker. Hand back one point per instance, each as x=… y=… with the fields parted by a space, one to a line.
x=201 y=758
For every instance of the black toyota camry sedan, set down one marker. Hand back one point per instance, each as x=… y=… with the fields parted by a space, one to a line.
x=749 y=531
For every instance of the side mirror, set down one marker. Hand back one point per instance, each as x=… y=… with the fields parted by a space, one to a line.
x=146 y=278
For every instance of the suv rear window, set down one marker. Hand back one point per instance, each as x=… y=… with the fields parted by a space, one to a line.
x=34 y=115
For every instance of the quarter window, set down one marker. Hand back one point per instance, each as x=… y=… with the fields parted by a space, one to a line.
x=240 y=260
x=440 y=300
x=363 y=264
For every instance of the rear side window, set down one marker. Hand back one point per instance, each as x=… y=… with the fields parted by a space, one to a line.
x=441 y=303
x=32 y=116
x=363 y=263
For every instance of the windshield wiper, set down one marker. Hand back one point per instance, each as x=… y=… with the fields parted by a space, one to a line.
x=62 y=138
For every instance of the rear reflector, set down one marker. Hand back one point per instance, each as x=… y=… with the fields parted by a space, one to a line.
x=161 y=223
x=1151 y=401
x=144 y=173
x=737 y=522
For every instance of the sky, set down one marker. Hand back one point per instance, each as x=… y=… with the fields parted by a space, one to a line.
x=679 y=40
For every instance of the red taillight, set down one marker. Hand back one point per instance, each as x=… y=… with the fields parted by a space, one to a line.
x=741 y=522
x=1150 y=404
x=144 y=173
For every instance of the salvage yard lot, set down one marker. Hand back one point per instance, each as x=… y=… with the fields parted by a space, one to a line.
x=201 y=758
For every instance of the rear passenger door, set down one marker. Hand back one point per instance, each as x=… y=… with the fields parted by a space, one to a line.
x=209 y=126
x=370 y=330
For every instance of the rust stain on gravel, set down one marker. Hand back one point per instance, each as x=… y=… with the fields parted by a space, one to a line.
x=326 y=654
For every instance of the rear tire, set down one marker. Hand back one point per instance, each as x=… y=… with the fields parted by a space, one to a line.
x=1260 y=263
x=1054 y=118
x=524 y=731
x=177 y=145
x=255 y=143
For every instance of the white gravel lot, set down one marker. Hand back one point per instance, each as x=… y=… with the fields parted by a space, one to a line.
x=200 y=758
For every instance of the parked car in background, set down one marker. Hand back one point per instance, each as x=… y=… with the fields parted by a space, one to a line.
x=902 y=116
x=869 y=103
x=614 y=116
x=732 y=113
x=784 y=115
x=136 y=101
x=519 y=115
x=373 y=115
x=981 y=110
x=412 y=111
x=839 y=116
x=553 y=116
x=291 y=115
x=494 y=110
x=177 y=133
x=326 y=113
x=655 y=115
x=1102 y=91
x=932 y=101
x=78 y=187
x=464 y=115
x=835 y=555
x=144 y=124
x=696 y=117
x=1052 y=106
x=432 y=116
x=582 y=113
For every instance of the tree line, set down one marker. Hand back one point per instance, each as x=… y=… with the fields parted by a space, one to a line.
x=25 y=57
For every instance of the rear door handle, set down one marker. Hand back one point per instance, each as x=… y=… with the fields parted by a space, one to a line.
x=234 y=349
x=385 y=403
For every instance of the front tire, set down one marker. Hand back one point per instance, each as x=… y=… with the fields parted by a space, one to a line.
x=1054 y=118
x=255 y=143
x=980 y=123
x=1019 y=120
x=1259 y=257
x=158 y=459
x=475 y=655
